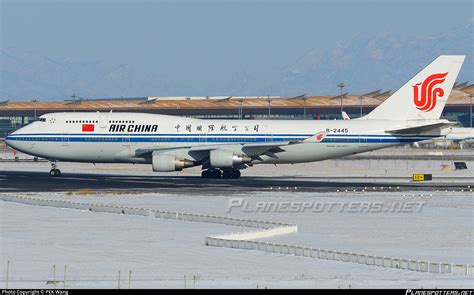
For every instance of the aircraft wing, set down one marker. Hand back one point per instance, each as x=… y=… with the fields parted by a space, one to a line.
x=250 y=149
x=420 y=128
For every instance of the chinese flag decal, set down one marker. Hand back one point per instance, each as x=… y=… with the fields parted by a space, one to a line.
x=87 y=127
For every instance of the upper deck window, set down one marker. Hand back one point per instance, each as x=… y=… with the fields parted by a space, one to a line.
x=41 y=119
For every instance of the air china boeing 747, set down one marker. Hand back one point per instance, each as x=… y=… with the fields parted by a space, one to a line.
x=223 y=147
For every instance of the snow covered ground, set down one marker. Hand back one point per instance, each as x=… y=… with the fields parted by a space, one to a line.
x=95 y=246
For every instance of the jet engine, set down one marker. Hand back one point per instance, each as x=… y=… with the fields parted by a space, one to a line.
x=226 y=159
x=168 y=163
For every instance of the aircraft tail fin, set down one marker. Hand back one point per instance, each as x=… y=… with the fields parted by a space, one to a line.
x=425 y=95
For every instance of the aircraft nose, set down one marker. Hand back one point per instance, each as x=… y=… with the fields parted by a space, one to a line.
x=10 y=139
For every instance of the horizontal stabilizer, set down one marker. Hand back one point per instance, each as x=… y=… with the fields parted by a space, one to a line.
x=420 y=128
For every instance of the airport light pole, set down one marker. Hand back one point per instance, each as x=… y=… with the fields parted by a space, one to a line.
x=341 y=85
x=361 y=97
x=304 y=106
x=470 y=110
x=241 y=112
x=269 y=105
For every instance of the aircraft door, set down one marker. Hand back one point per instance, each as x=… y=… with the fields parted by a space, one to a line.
x=65 y=137
x=126 y=143
x=103 y=121
x=126 y=139
x=202 y=135
x=363 y=140
x=268 y=133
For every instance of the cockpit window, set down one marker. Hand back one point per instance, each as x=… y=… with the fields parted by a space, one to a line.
x=41 y=119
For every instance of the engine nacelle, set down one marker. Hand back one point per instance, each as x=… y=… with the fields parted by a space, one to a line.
x=226 y=159
x=169 y=163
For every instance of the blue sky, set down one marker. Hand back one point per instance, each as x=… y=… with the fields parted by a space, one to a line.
x=209 y=41
x=201 y=37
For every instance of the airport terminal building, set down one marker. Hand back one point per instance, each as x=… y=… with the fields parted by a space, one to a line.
x=14 y=115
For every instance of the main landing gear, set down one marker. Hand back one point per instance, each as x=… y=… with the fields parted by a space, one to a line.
x=217 y=173
x=54 y=172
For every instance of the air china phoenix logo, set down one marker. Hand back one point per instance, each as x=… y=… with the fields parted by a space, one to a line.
x=425 y=98
x=319 y=137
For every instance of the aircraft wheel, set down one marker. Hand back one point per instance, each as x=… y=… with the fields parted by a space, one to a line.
x=235 y=174
x=55 y=172
x=216 y=173
x=205 y=174
x=226 y=174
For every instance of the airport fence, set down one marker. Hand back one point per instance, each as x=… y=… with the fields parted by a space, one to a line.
x=261 y=229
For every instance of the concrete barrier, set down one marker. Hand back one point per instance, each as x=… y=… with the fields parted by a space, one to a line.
x=423 y=266
x=246 y=240
x=460 y=269
x=292 y=250
x=413 y=265
x=228 y=243
x=322 y=254
x=346 y=257
x=277 y=248
x=249 y=245
x=354 y=257
x=330 y=255
x=395 y=263
x=306 y=252
x=370 y=260
x=433 y=267
x=379 y=261
x=241 y=244
x=270 y=247
x=299 y=251
x=404 y=263
x=362 y=258
x=387 y=262
x=445 y=268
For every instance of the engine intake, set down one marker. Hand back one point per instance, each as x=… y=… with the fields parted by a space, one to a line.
x=168 y=163
x=227 y=159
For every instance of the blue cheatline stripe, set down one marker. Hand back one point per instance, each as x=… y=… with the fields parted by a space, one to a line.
x=205 y=134
x=214 y=139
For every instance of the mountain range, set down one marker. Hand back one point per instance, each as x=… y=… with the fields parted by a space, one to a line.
x=364 y=63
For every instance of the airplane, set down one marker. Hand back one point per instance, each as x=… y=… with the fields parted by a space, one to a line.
x=459 y=136
x=224 y=147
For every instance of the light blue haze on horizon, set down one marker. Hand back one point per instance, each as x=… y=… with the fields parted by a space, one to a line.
x=210 y=42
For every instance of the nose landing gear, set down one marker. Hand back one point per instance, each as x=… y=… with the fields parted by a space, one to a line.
x=54 y=172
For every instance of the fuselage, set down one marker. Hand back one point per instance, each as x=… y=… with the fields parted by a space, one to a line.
x=117 y=137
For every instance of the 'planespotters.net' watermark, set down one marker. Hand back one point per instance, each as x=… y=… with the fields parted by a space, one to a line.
x=322 y=207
